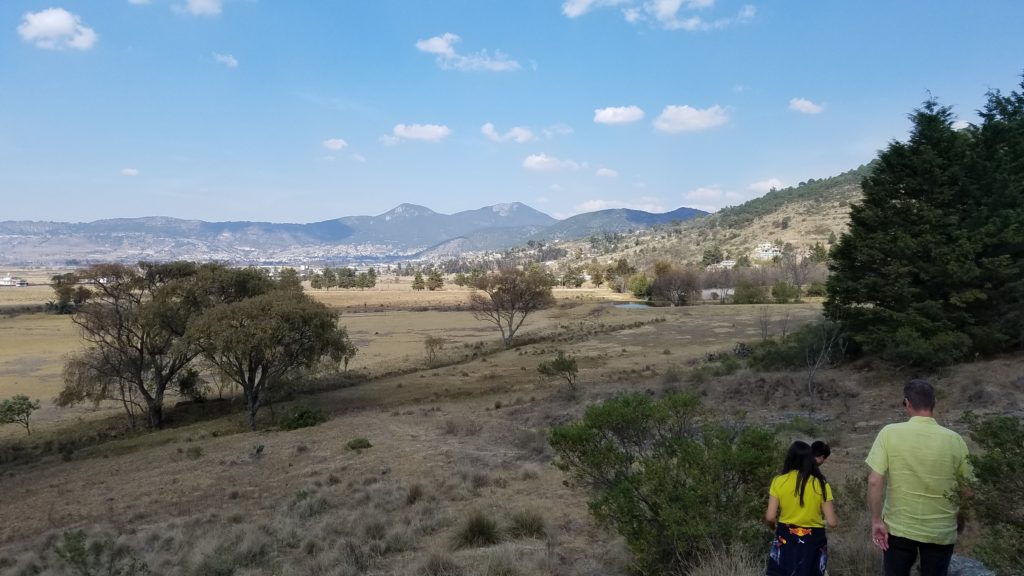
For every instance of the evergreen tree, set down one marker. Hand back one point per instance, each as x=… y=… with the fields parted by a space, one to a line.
x=434 y=281
x=932 y=267
x=417 y=282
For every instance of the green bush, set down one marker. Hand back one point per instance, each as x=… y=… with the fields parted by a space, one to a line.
x=793 y=351
x=784 y=293
x=561 y=366
x=358 y=444
x=302 y=417
x=85 y=556
x=816 y=290
x=662 y=478
x=999 y=492
x=747 y=292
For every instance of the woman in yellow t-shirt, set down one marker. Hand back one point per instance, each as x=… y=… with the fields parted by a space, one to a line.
x=799 y=506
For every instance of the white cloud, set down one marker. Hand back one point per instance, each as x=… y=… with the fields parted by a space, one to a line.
x=607 y=173
x=358 y=158
x=711 y=198
x=448 y=58
x=618 y=115
x=545 y=163
x=666 y=14
x=389 y=140
x=203 y=7
x=558 y=130
x=334 y=144
x=961 y=124
x=675 y=119
x=805 y=106
x=516 y=134
x=56 y=28
x=575 y=8
x=764 y=186
x=226 y=59
x=129 y=172
x=645 y=203
x=425 y=132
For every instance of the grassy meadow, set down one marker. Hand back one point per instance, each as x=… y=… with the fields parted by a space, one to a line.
x=458 y=475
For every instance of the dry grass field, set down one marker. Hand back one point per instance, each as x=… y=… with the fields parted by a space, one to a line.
x=448 y=444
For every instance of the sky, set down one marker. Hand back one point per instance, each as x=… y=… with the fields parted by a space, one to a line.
x=303 y=111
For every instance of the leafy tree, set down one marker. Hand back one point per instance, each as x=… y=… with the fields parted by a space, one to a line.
x=932 y=267
x=18 y=410
x=818 y=254
x=329 y=278
x=749 y=292
x=461 y=279
x=572 y=277
x=417 y=282
x=596 y=273
x=661 y=478
x=712 y=255
x=435 y=281
x=134 y=325
x=289 y=279
x=258 y=342
x=505 y=298
x=561 y=366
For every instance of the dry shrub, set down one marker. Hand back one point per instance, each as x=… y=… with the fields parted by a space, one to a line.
x=440 y=564
x=501 y=561
x=527 y=524
x=477 y=530
x=725 y=563
x=461 y=427
x=533 y=443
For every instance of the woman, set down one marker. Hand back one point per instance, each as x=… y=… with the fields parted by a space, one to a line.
x=801 y=500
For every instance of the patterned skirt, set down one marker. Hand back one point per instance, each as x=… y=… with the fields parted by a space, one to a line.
x=798 y=551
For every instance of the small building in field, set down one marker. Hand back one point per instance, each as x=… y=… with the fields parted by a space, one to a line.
x=13 y=281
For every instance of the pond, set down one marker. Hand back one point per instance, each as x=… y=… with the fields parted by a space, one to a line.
x=633 y=305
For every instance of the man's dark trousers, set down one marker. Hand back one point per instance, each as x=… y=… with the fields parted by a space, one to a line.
x=902 y=553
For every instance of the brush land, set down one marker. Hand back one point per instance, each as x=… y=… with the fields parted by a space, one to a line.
x=452 y=447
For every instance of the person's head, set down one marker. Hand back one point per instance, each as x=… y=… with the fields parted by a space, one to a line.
x=821 y=451
x=919 y=396
x=801 y=458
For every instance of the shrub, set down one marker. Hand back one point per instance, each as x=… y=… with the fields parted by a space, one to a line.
x=561 y=366
x=85 y=556
x=478 y=530
x=661 y=478
x=194 y=452
x=816 y=290
x=747 y=292
x=440 y=565
x=358 y=444
x=527 y=524
x=784 y=293
x=302 y=417
x=998 y=495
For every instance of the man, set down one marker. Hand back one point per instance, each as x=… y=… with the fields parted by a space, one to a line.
x=916 y=464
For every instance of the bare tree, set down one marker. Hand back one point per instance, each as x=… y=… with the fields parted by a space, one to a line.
x=677 y=286
x=433 y=345
x=795 y=267
x=507 y=297
x=825 y=347
x=764 y=322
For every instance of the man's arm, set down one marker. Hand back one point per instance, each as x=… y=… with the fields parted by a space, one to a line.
x=876 y=490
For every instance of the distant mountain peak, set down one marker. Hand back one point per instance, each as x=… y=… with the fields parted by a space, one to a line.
x=504 y=209
x=407 y=210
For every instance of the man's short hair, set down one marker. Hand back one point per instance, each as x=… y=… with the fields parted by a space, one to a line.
x=820 y=449
x=920 y=394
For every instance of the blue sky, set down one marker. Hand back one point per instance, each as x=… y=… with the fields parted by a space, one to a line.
x=302 y=111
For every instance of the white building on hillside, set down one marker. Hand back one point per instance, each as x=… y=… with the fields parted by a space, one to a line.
x=766 y=251
x=13 y=281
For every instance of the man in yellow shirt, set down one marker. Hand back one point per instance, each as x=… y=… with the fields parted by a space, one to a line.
x=916 y=465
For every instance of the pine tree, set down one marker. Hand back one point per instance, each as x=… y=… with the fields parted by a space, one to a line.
x=417 y=282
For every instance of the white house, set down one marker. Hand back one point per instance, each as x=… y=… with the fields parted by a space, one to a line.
x=13 y=281
x=766 y=251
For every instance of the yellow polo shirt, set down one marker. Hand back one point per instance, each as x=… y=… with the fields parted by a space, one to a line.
x=920 y=461
x=784 y=489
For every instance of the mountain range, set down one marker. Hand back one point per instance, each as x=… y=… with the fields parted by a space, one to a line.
x=407 y=231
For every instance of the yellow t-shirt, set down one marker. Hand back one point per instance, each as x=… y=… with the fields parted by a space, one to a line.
x=920 y=461
x=784 y=489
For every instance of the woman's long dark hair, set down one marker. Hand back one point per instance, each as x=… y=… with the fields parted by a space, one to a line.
x=801 y=458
